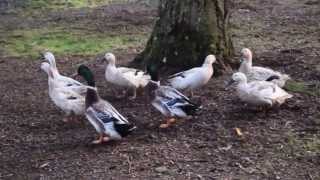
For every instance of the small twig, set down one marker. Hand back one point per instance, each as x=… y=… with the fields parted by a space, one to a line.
x=129 y=164
x=310 y=176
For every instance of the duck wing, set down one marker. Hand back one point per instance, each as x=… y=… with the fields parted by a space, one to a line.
x=174 y=101
x=183 y=74
x=188 y=79
x=261 y=88
x=72 y=84
x=135 y=76
x=269 y=90
x=67 y=93
x=105 y=118
x=104 y=107
x=263 y=74
x=68 y=100
x=126 y=70
x=170 y=93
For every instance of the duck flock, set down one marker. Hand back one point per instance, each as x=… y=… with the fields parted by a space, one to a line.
x=256 y=86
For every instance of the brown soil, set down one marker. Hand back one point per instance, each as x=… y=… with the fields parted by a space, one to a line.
x=281 y=144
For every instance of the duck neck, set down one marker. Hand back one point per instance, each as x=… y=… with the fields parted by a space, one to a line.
x=50 y=79
x=54 y=67
x=92 y=94
x=245 y=66
x=55 y=72
x=207 y=65
x=91 y=97
x=111 y=67
x=112 y=63
x=242 y=84
x=209 y=69
x=151 y=87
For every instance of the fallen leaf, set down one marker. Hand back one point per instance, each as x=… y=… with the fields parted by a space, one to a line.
x=238 y=131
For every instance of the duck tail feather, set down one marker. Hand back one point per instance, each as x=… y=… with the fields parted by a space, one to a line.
x=273 y=77
x=191 y=108
x=124 y=129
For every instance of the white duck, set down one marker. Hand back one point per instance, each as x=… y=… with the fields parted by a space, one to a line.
x=170 y=102
x=129 y=78
x=193 y=78
x=63 y=80
x=107 y=121
x=256 y=73
x=63 y=96
x=259 y=93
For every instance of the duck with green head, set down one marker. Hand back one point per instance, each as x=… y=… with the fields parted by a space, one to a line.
x=170 y=102
x=107 y=121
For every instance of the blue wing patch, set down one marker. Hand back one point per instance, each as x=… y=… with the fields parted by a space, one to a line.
x=173 y=102
x=105 y=118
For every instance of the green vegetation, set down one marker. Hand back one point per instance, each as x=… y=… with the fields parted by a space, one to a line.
x=301 y=87
x=59 y=4
x=61 y=41
x=64 y=39
x=300 y=146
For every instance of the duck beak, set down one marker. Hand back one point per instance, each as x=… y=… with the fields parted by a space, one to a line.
x=230 y=82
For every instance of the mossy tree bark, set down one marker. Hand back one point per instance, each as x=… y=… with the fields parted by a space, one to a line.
x=186 y=32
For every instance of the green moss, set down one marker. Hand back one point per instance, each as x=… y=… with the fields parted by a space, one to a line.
x=31 y=42
x=303 y=145
x=313 y=144
x=301 y=87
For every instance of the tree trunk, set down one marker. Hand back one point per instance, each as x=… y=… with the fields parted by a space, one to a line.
x=186 y=32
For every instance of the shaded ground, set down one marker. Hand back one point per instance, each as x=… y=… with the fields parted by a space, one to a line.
x=282 y=144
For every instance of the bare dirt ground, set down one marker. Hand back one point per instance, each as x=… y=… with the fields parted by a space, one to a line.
x=282 y=144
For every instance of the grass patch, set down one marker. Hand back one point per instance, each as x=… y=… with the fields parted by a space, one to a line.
x=38 y=7
x=303 y=145
x=24 y=43
x=60 y=4
x=301 y=87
